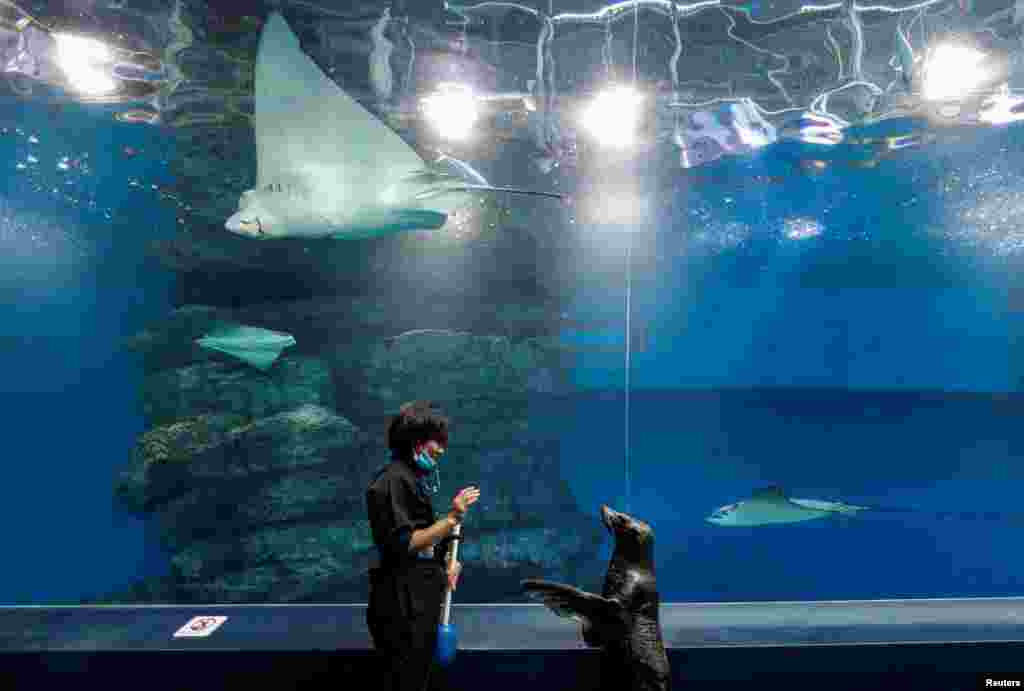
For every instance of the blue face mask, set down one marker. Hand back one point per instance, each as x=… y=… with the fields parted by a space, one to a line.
x=424 y=461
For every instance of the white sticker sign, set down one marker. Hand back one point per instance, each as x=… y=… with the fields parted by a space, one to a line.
x=199 y=627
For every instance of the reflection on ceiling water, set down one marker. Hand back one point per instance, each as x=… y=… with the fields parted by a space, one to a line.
x=703 y=81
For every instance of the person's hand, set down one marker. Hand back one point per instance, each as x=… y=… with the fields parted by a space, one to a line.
x=453 y=574
x=462 y=501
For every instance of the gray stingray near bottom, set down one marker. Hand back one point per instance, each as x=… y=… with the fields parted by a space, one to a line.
x=623 y=620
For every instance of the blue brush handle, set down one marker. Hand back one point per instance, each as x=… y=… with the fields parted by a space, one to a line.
x=447 y=644
x=447 y=635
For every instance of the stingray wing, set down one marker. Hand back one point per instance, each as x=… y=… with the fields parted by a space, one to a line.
x=603 y=619
x=306 y=124
x=255 y=346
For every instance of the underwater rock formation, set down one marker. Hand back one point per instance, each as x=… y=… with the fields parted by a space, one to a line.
x=255 y=480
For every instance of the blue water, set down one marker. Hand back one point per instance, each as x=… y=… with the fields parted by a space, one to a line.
x=849 y=336
x=693 y=452
x=846 y=294
x=76 y=284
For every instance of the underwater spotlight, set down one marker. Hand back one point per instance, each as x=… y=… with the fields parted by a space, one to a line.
x=952 y=71
x=613 y=117
x=452 y=110
x=85 y=63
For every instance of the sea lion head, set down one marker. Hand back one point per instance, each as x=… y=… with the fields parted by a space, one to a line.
x=632 y=536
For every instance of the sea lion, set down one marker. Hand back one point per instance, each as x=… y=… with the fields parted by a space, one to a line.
x=623 y=620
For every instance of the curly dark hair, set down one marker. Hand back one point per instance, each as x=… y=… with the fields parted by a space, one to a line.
x=417 y=422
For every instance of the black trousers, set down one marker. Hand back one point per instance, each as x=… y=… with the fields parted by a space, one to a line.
x=403 y=614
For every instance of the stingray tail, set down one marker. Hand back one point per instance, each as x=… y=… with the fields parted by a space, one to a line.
x=508 y=190
x=951 y=515
x=892 y=509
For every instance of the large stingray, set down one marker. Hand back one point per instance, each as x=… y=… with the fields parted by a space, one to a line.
x=326 y=167
x=771 y=506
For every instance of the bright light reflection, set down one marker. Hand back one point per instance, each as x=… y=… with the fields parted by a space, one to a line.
x=801 y=228
x=952 y=72
x=612 y=117
x=451 y=110
x=82 y=60
x=1001 y=108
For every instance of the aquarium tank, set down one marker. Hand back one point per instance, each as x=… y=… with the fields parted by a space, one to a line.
x=746 y=270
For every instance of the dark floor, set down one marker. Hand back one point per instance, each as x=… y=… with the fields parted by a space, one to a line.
x=935 y=666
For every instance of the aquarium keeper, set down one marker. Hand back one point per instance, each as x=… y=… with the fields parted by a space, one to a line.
x=407 y=589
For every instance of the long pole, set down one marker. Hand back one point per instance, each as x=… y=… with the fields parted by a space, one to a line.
x=453 y=555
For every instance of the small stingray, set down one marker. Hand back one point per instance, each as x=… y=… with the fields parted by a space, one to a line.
x=770 y=505
x=258 y=347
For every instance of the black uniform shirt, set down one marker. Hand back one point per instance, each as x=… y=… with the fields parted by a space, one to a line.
x=396 y=507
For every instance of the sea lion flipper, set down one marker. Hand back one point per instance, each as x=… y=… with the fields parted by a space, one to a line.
x=603 y=619
x=564 y=600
